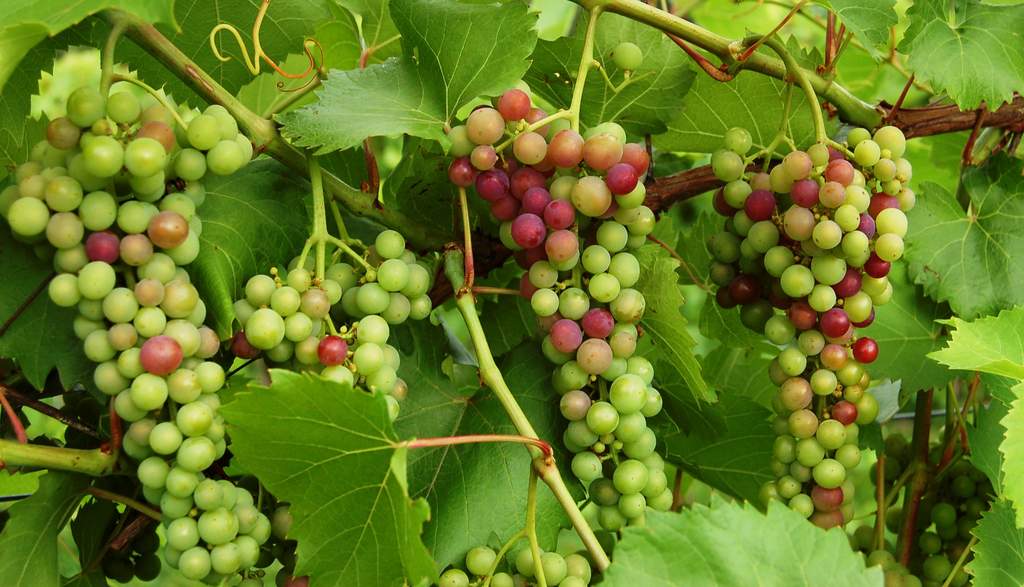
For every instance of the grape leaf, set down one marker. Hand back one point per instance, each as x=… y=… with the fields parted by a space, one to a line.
x=993 y=344
x=751 y=100
x=475 y=490
x=972 y=54
x=999 y=551
x=89 y=530
x=377 y=27
x=679 y=372
x=27 y=23
x=340 y=39
x=419 y=186
x=887 y=392
x=906 y=330
x=732 y=456
x=967 y=257
x=463 y=51
x=733 y=544
x=643 y=106
x=868 y=20
x=331 y=452
x=507 y=323
x=41 y=339
x=985 y=437
x=251 y=220
x=29 y=539
x=1013 y=454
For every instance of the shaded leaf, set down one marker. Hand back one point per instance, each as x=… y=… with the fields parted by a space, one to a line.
x=999 y=552
x=985 y=437
x=507 y=323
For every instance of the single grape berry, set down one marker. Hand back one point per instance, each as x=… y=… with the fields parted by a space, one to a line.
x=845 y=412
x=627 y=56
x=102 y=246
x=865 y=350
x=528 y=230
x=621 y=178
x=835 y=323
x=332 y=350
x=514 y=104
x=461 y=172
x=167 y=229
x=241 y=348
x=160 y=355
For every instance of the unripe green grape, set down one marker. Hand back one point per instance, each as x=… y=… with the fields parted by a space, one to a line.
x=390 y=244
x=181 y=483
x=28 y=217
x=372 y=298
x=85 y=106
x=285 y=300
x=829 y=473
x=827 y=234
x=187 y=251
x=892 y=221
x=891 y=138
x=797 y=281
x=630 y=476
x=727 y=165
x=736 y=193
x=777 y=259
x=393 y=275
x=629 y=306
x=544 y=302
x=612 y=236
x=63 y=290
x=603 y=287
x=586 y=466
x=828 y=269
x=856 y=247
x=889 y=247
x=737 y=140
x=629 y=57
x=822 y=298
x=802 y=504
x=225 y=158
x=640 y=227
x=780 y=180
x=848 y=455
x=779 y=330
x=763 y=235
x=196 y=454
x=724 y=247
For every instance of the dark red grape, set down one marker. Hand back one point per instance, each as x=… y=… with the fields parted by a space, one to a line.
x=505 y=208
x=839 y=170
x=867 y=321
x=621 y=178
x=535 y=200
x=849 y=284
x=514 y=104
x=492 y=185
x=844 y=412
x=598 y=323
x=559 y=214
x=805 y=193
x=744 y=289
x=880 y=202
x=636 y=155
x=777 y=297
x=461 y=172
x=241 y=348
x=103 y=246
x=865 y=350
x=721 y=206
x=160 y=355
x=527 y=257
x=835 y=323
x=759 y=205
x=566 y=335
x=867 y=225
x=332 y=350
x=528 y=230
x=827 y=500
x=876 y=267
x=802 y=315
x=525 y=178
x=723 y=299
x=526 y=289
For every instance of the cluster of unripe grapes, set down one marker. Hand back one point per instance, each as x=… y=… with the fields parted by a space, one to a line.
x=948 y=512
x=290 y=319
x=114 y=190
x=564 y=570
x=571 y=207
x=805 y=253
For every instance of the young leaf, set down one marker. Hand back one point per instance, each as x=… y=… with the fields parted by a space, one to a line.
x=476 y=490
x=967 y=257
x=868 y=20
x=677 y=367
x=751 y=100
x=992 y=344
x=464 y=50
x=251 y=220
x=999 y=552
x=27 y=23
x=331 y=452
x=732 y=544
x=644 y=105
x=971 y=54
x=29 y=540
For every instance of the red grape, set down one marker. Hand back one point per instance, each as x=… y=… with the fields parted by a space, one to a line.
x=601 y=151
x=721 y=206
x=839 y=170
x=160 y=355
x=332 y=350
x=536 y=115
x=723 y=299
x=525 y=178
x=621 y=178
x=759 y=205
x=827 y=500
x=802 y=315
x=103 y=246
x=880 y=202
x=559 y=214
x=492 y=185
x=527 y=257
x=834 y=153
x=867 y=225
x=876 y=267
x=865 y=350
x=744 y=289
x=566 y=335
x=636 y=155
x=514 y=104
x=505 y=208
x=526 y=289
x=598 y=323
x=566 y=149
x=461 y=172
x=835 y=323
x=867 y=321
x=826 y=520
x=844 y=412
x=849 y=284
x=561 y=245
x=241 y=348
x=167 y=229
x=805 y=193
x=535 y=200
x=159 y=131
x=528 y=230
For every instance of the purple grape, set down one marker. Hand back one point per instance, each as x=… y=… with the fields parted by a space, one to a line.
x=528 y=230
x=621 y=178
x=492 y=184
x=849 y=285
x=759 y=205
x=566 y=335
x=535 y=200
x=805 y=193
x=525 y=178
x=461 y=172
x=559 y=214
x=867 y=225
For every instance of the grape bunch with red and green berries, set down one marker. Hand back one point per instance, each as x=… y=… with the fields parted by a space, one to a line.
x=805 y=253
x=571 y=206
x=112 y=195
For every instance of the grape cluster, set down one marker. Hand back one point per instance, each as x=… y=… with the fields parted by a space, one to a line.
x=571 y=207
x=114 y=189
x=805 y=253
x=290 y=321
x=565 y=570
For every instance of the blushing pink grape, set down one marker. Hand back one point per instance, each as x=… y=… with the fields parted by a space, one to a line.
x=621 y=178
x=528 y=230
x=566 y=335
x=759 y=205
x=535 y=200
x=598 y=323
x=559 y=214
x=805 y=193
x=160 y=355
x=103 y=246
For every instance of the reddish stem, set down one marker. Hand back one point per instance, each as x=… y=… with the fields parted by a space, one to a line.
x=965 y=157
x=48 y=410
x=880 y=502
x=919 y=483
x=115 y=428
x=437 y=441
x=25 y=304
x=830 y=35
x=716 y=73
x=677 y=491
x=903 y=96
x=19 y=429
x=750 y=50
x=504 y=291
x=372 y=171
x=130 y=532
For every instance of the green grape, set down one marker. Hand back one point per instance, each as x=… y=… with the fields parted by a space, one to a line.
x=190 y=165
x=85 y=106
x=762 y=236
x=829 y=473
x=603 y=287
x=890 y=138
x=792 y=361
x=777 y=259
x=196 y=454
x=372 y=298
x=727 y=165
x=779 y=330
x=612 y=236
x=284 y=300
x=203 y=132
x=226 y=157
x=28 y=217
x=629 y=57
x=827 y=234
x=797 y=281
x=595 y=259
x=822 y=298
x=144 y=157
x=889 y=247
x=737 y=140
x=393 y=275
x=389 y=244
x=892 y=221
x=630 y=476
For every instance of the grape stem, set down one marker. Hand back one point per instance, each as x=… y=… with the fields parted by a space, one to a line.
x=879 y=536
x=107 y=58
x=121 y=499
x=492 y=377
x=47 y=410
x=544 y=447
x=586 y=62
x=320 y=236
x=501 y=554
x=95 y=462
x=467 y=237
x=532 y=127
x=960 y=561
x=501 y=291
x=12 y=415
x=531 y=529
x=157 y=95
x=921 y=474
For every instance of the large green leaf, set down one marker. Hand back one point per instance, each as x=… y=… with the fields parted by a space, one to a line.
x=992 y=344
x=41 y=339
x=463 y=50
x=29 y=541
x=507 y=323
x=644 y=105
x=474 y=491
x=89 y=529
x=679 y=372
x=729 y=544
x=376 y=26
x=734 y=455
x=331 y=452
x=251 y=220
x=985 y=437
x=751 y=100
x=999 y=552
x=973 y=53
x=1013 y=454
x=27 y=22
x=868 y=20
x=906 y=330
x=969 y=257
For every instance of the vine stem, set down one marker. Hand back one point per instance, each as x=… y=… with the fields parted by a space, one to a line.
x=797 y=74
x=319 y=216
x=492 y=377
x=586 y=62
x=47 y=410
x=919 y=481
x=544 y=447
x=107 y=58
x=879 y=538
x=960 y=561
x=531 y=529
x=12 y=415
x=501 y=553
x=89 y=462
x=501 y=291
x=121 y=499
x=469 y=272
